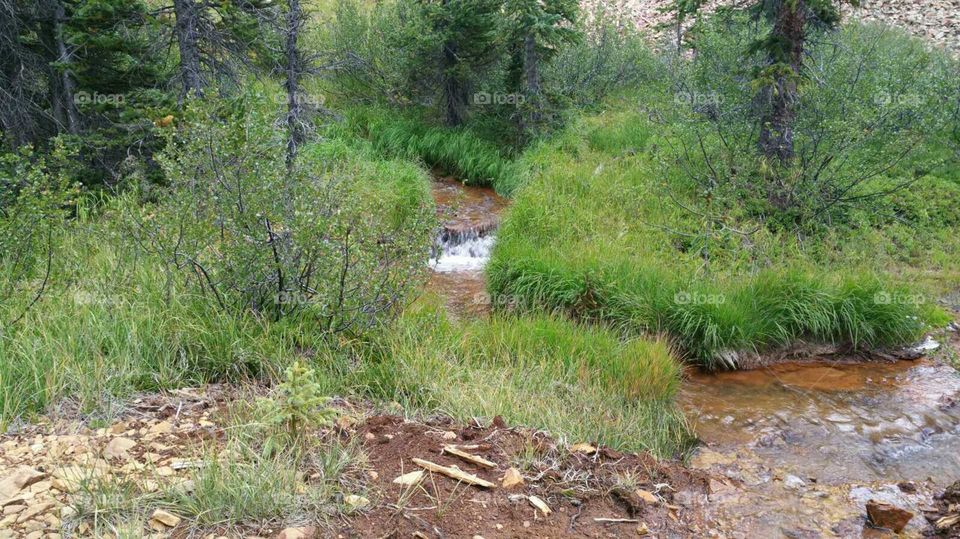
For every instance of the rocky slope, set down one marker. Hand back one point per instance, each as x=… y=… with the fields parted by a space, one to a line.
x=935 y=20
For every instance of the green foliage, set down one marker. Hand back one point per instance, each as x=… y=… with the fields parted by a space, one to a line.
x=576 y=381
x=35 y=194
x=241 y=484
x=873 y=119
x=299 y=404
x=328 y=241
x=611 y=228
x=457 y=151
x=608 y=57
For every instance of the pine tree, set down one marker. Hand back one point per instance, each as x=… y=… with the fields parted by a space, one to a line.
x=537 y=31
x=466 y=31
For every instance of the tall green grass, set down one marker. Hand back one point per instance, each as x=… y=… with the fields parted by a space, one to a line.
x=578 y=382
x=111 y=323
x=460 y=152
x=602 y=232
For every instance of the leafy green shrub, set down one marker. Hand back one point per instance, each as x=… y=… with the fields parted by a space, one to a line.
x=330 y=241
x=873 y=118
x=35 y=195
x=611 y=56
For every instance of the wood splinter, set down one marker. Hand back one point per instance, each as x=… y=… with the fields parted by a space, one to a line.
x=478 y=460
x=453 y=473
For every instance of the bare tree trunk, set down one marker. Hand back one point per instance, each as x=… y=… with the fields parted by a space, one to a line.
x=780 y=98
x=16 y=119
x=187 y=31
x=296 y=133
x=454 y=90
x=65 y=100
x=531 y=74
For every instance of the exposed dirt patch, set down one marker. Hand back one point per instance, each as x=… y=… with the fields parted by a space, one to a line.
x=160 y=441
x=577 y=487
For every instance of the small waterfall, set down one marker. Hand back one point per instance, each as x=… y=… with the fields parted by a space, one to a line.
x=463 y=249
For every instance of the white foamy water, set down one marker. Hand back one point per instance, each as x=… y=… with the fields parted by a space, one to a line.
x=462 y=252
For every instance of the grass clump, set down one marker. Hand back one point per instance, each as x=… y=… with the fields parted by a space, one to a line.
x=577 y=382
x=592 y=239
x=461 y=152
x=654 y=215
x=277 y=465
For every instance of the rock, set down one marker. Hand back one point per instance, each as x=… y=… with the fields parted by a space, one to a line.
x=793 y=482
x=297 y=533
x=512 y=478
x=586 y=449
x=355 y=502
x=907 y=486
x=885 y=515
x=647 y=496
x=539 y=504
x=118 y=448
x=69 y=478
x=13 y=509
x=952 y=493
x=163 y=427
x=34 y=510
x=409 y=479
x=20 y=479
x=165 y=519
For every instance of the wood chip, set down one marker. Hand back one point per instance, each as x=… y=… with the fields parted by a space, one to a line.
x=539 y=504
x=947 y=521
x=480 y=461
x=454 y=473
x=617 y=520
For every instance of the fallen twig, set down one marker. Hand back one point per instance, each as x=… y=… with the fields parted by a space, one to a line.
x=454 y=473
x=478 y=460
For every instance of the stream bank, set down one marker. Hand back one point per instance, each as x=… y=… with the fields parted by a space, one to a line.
x=797 y=449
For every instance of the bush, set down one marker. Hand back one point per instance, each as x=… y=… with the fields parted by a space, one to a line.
x=873 y=118
x=332 y=241
x=35 y=196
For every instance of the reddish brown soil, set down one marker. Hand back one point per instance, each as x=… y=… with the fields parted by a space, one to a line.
x=577 y=487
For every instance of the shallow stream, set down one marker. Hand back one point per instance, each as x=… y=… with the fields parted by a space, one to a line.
x=797 y=448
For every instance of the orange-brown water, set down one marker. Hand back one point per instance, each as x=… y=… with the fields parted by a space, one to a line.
x=470 y=216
